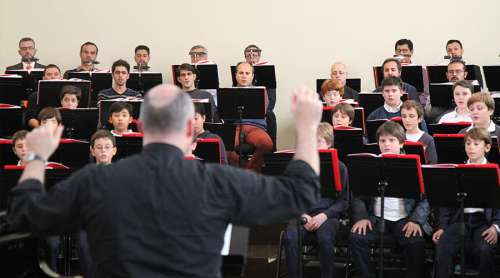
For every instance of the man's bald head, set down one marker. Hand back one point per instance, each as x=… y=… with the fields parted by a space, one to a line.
x=166 y=109
x=338 y=71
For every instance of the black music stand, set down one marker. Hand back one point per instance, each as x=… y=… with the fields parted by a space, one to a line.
x=353 y=83
x=209 y=149
x=373 y=125
x=104 y=106
x=447 y=128
x=437 y=73
x=12 y=90
x=455 y=186
x=29 y=78
x=79 y=123
x=7 y=155
x=347 y=140
x=127 y=145
x=72 y=153
x=207 y=106
x=491 y=74
x=49 y=92
x=100 y=81
x=411 y=74
x=441 y=94
x=264 y=75
x=496 y=113
x=383 y=176
x=225 y=131
x=206 y=78
x=11 y=119
x=143 y=81
x=372 y=101
x=242 y=103
x=416 y=148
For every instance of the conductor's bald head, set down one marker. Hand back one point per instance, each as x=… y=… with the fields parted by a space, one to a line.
x=166 y=110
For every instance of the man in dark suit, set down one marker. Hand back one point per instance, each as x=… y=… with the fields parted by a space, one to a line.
x=27 y=51
x=339 y=71
x=88 y=56
x=392 y=67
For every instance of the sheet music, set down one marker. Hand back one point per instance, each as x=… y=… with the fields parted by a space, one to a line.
x=227 y=240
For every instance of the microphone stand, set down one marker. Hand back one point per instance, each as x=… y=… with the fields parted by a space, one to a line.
x=140 y=68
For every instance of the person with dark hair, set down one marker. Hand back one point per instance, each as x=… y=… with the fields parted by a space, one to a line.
x=120 y=116
x=406 y=220
x=160 y=211
x=27 y=51
x=186 y=75
x=391 y=67
x=103 y=146
x=252 y=55
x=19 y=146
x=88 y=55
x=338 y=71
x=454 y=49
x=462 y=91
x=142 y=57
x=70 y=96
x=121 y=72
x=404 y=49
x=50 y=72
x=199 y=55
x=200 y=117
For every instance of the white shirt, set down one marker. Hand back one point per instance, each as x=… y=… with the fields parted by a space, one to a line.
x=475 y=210
x=491 y=127
x=414 y=137
x=391 y=109
x=394 y=208
x=25 y=65
x=454 y=117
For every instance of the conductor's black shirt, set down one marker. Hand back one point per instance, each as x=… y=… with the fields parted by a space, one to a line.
x=156 y=214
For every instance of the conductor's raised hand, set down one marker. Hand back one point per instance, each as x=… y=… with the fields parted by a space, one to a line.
x=43 y=140
x=307 y=109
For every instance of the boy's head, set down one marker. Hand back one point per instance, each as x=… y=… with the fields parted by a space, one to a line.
x=390 y=137
x=50 y=116
x=332 y=91
x=411 y=114
x=325 y=136
x=392 y=90
x=342 y=115
x=481 y=106
x=477 y=144
x=19 y=145
x=462 y=91
x=103 y=146
x=70 y=96
x=120 y=116
x=199 y=118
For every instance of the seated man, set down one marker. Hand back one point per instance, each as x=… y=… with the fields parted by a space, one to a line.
x=199 y=55
x=252 y=56
x=392 y=68
x=200 y=131
x=322 y=219
x=454 y=50
x=405 y=219
x=120 y=116
x=27 y=51
x=186 y=75
x=481 y=224
x=88 y=56
x=50 y=72
x=141 y=58
x=120 y=71
x=255 y=130
x=392 y=92
x=70 y=97
x=404 y=50
x=338 y=71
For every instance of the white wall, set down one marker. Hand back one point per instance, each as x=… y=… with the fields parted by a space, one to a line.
x=301 y=37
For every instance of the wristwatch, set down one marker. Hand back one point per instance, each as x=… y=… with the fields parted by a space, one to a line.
x=33 y=156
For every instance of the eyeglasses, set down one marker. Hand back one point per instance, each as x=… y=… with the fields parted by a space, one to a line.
x=197 y=53
x=27 y=48
x=105 y=147
x=455 y=72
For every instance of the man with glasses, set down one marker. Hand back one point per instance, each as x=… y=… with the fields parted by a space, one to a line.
x=199 y=55
x=252 y=56
x=404 y=50
x=338 y=71
x=27 y=51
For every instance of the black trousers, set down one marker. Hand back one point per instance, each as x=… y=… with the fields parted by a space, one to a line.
x=413 y=248
x=483 y=253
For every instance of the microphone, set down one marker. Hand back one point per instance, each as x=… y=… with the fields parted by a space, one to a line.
x=93 y=62
x=140 y=67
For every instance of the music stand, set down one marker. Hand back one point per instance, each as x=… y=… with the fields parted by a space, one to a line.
x=387 y=175
x=11 y=119
x=372 y=101
x=143 y=81
x=225 y=131
x=29 y=78
x=209 y=149
x=347 y=140
x=437 y=73
x=447 y=128
x=242 y=103
x=441 y=94
x=491 y=74
x=416 y=148
x=206 y=78
x=264 y=75
x=456 y=186
x=7 y=155
x=79 y=123
x=12 y=90
x=49 y=92
x=100 y=81
x=496 y=113
x=104 y=106
x=373 y=125
x=72 y=153
x=411 y=74
x=353 y=83
x=128 y=144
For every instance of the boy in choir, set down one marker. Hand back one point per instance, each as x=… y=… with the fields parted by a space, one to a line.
x=120 y=116
x=342 y=115
x=412 y=115
x=481 y=224
x=202 y=133
x=19 y=146
x=50 y=116
x=405 y=219
x=322 y=219
x=462 y=91
x=332 y=91
x=120 y=71
x=392 y=93
x=482 y=106
x=70 y=97
x=103 y=146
